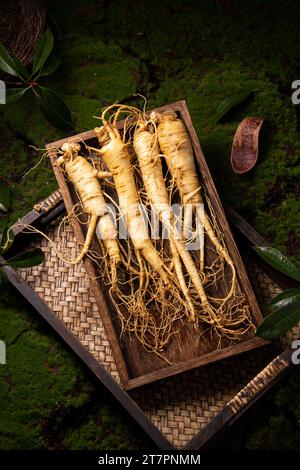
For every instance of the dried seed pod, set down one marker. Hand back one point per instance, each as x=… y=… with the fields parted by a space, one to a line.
x=244 y=151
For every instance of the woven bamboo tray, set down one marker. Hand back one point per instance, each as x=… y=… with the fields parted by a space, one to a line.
x=182 y=412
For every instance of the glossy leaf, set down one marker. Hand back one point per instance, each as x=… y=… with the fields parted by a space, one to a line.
x=14 y=94
x=278 y=261
x=43 y=49
x=54 y=108
x=231 y=102
x=21 y=69
x=6 y=239
x=294 y=292
x=281 y=320
x=5 y=197
x=26 y=259
x=12 y=65
x=52 y=64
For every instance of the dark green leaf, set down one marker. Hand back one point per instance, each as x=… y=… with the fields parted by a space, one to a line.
x=52 y=63
x=279 y=261
x=231 y=102
x=7 y=63
x=21 y=69
x=12 y=65
x=294 y=292
x=5 y=197
x=6 y=239
x=14 y=94
x=42 y=51
x=281 y=320
x=26 y=259
x=54 y=109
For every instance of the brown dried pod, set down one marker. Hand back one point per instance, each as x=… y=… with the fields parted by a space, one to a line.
x=244 y=151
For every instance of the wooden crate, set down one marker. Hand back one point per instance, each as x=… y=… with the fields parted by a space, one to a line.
x=135 y=366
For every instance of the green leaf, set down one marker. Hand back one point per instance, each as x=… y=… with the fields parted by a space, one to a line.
x=294 y=292
x=14 y=94
x=5 y=197
x=43 y=49
x=6 y=239
x=52 y=63
x=7 y=63
x=231 y=102
x=21 y=69
x=12 y=65
x=281 y=320
x=278 y=261
x=54 y=109
x=26 y=259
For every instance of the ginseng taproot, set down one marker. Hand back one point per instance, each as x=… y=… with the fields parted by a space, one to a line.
x=85 y=179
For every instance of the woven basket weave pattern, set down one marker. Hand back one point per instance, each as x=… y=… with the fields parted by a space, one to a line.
x=65 y=289
x=180 y=406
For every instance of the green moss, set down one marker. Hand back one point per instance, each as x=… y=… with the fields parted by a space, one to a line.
x=92 y=69
x=38 y=375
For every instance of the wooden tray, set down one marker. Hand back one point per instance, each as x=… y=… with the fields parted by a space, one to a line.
x=181 y=412
x=135 y=366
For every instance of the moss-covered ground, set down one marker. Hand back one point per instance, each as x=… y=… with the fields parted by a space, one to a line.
x=197 y=51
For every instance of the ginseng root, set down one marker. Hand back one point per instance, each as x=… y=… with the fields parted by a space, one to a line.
x=85 y=179
x=176 y=147
x=148 y=155
x=116 y=156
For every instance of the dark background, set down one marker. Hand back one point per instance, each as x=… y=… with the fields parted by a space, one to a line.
x=200 y=51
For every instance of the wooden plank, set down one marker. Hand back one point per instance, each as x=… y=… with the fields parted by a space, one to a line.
x=197 y=362
x=82 y=137
x=68 y=337
x=28 y=219
x=135 y=365
x=48 y=210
